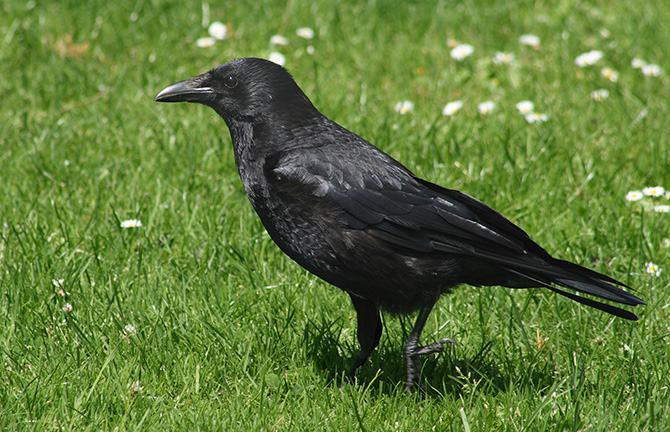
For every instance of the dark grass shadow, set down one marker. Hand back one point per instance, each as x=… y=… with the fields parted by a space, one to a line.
x=456 y=371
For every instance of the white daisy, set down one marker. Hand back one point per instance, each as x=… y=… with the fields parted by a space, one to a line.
x=530 y=40
x=662 y=208
x=525 y=107
x=588 y=58
x=277 y=57
x=217 y=30
x=486 y=107
x=600 y=94
x=135 y=386
x=305 y=32
x=651 y=70
x=452 y=108
x=610 y=74
x=67 y=308
x=654 y=191
x=460 y=52
x=131 y=223
x=404 y=107
x=652 y=269
x=503 y=58
x=536 y=118
x=205 y=42
x=129 y=330
x=637 y=63
x=278 y=40
x=634 y=195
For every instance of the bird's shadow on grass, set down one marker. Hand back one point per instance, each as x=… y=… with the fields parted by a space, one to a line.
x=452 y=373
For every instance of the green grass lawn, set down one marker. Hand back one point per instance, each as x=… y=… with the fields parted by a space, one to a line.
x=196 y=321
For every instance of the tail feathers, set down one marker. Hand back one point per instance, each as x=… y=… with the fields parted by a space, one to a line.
x=600 y=289
x=594 y=287
x=616 y=311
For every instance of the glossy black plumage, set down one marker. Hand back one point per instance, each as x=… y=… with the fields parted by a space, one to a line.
x=354 y=216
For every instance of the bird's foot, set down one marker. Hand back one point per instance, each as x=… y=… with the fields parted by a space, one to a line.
x=432 y=348
x=412 y=353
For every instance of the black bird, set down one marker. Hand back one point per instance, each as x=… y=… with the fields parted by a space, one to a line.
x=355 y=217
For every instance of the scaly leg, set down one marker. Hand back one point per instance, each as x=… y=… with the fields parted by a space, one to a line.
x=369 y=332
x=413 y=350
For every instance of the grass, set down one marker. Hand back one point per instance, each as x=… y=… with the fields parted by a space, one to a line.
x=226 y=332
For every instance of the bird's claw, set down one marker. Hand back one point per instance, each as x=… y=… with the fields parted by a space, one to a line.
x=435 y=347
x=411 y=357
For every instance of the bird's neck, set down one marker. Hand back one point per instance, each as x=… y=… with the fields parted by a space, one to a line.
x=242 y=135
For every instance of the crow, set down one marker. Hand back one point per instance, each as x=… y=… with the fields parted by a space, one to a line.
x=355 y=217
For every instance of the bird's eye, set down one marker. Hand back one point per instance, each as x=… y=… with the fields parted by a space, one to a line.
x=230 y=82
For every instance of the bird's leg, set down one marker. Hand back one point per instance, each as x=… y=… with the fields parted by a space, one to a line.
x=369 y=332
x=413 y=349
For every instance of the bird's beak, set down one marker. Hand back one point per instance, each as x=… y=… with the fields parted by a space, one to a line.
x=190 y=90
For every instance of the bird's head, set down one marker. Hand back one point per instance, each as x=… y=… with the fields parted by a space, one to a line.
x=246 y=89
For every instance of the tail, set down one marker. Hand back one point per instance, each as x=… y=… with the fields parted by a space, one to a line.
x=575 y=277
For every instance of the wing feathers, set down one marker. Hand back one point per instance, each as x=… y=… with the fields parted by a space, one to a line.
x=419 y=216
